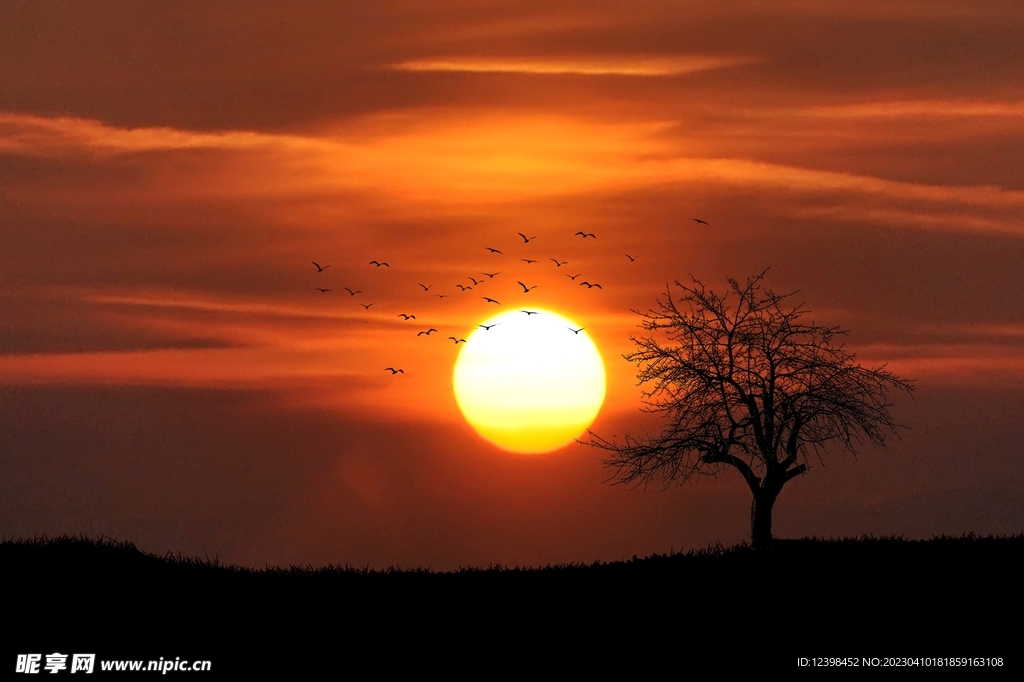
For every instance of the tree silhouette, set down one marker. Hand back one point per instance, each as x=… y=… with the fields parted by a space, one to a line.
x=749 y=386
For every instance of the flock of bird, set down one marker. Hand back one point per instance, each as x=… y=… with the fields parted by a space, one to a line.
x=475 y=282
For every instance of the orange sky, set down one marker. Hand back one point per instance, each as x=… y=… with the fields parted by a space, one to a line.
x=169 y=374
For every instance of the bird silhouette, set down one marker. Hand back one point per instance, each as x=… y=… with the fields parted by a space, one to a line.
x=457 y=341
x=322 y=291
x=491 y=274
x=559 y=264
x=530 y=312
x=526 y=289
x=366 y=305
x=493 y=250
x=319 y=268
x=394 y=371
x=426 y=332
x=699 y=221
x=591 y=286
x=462 y=287
x=631 y=258
x=586 y=234
x=527 y=261
x=353 y=293
x=475 y=281
x=490 y=300
x=526 y=240
x=487 y=327
x=425 y=287
x=575 y=331
x=442 y=295
x=573 y=277
x=373 y=262
x=408 y=317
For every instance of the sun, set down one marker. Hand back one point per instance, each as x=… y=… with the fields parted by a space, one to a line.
x=531 y=383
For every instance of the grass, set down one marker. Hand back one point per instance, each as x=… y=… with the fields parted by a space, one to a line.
x=868 y=596
x=85 y=552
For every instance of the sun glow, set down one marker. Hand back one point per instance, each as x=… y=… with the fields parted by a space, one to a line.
x=531 y=383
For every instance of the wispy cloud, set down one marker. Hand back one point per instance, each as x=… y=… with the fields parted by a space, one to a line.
x=435 y=159
x=41 y=136
x=950 y=364
x=916 y=108
x=582 y=66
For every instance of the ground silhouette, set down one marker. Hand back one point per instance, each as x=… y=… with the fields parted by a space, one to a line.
x=852 y=597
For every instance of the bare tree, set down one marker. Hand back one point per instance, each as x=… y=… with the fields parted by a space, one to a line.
x=746 y=384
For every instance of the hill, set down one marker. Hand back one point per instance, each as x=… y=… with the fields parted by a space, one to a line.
x=867 y=597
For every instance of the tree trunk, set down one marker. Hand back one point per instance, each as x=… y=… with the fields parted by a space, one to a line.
x=761 y=519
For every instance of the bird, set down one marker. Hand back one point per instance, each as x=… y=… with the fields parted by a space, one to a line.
x=530 y=312
x=631 y=258
x=699 y=221
x=353 y=293
x=492 y=250
x=373 y=262
x=457 y=341
x=426 y=332
x=573 y=277
x=407 y=317
x=322 y=291
x=491 y=274
x=474 y=280
x=442 y=295
x=586 y=234
x=575 y=331
x=559 y=264
x=487 y=327
x=366 y=305
x=462 y=287
x=526 y=240
x=591 y=286
x=394 y=371
x=425 y=287
x=527 y=261
x=490 y=300
x=526 y=289
x=319 y=268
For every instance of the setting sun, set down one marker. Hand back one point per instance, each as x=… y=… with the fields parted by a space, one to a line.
x=531 y=382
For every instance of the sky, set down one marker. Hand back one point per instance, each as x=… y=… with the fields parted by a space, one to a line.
x=170 y=375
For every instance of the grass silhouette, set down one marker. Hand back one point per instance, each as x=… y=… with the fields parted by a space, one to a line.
x=868 y=596
x=82 y=553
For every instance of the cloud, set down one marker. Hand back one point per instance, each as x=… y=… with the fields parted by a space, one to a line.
x=435 y=157
x=55 y=136
x=625 y=65
x=915 y=108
